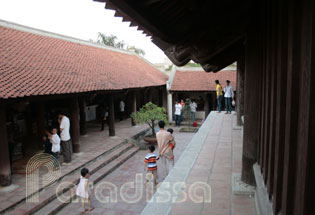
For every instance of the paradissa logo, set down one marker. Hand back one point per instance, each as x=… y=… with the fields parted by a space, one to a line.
x=107 y=192
x=133 y=191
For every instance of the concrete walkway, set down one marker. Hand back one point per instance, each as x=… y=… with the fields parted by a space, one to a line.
x=205 y=171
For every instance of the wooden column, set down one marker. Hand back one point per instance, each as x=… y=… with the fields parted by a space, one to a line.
x=164 y=97
x=213 y=100
x=305 y=150
x=282 y=68
x=5 y=169
x=133 y=105
x=170 y=107
x=82 y=104
x=111 y=115
x=74 y=112
x=40 y=122
x=240 y=91
x=150 y=94
x=251 y=104
x=206 y=107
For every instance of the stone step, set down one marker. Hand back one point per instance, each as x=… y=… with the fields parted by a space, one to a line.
x=111 y=147
x=56 y=205
x=48 y=194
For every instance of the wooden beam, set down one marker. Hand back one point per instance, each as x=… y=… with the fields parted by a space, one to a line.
x=82 y=104
x=133 y=105
x=5 y=167
x=240 y=90
x=75 y=128
x=111 y=115
x=281 y=86
x=253 y=65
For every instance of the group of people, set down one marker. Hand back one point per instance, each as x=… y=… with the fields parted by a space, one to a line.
x=228 y=95
x=54 y=144
x=166 y=144
x=179 y=107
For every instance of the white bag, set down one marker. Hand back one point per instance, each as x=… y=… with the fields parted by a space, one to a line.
x=233 y=103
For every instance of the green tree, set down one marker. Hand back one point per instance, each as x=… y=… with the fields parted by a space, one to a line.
x=140 y=51
x=112 y=40
x=150 y=114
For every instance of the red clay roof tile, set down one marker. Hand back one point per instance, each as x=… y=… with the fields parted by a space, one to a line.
x=32 y=64
x=201 y=80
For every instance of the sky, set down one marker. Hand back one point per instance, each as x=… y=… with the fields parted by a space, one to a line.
x=81 y=19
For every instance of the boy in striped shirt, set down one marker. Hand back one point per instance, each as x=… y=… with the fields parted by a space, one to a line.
x=150 y=163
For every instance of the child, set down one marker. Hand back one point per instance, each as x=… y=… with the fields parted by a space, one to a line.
x=83 y=190
x=150 y=163
x=172 y=142
x=55 y=142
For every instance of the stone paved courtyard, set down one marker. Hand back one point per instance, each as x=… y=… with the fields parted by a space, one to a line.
x=126 y=173
x=219 y=157
x=92 y=145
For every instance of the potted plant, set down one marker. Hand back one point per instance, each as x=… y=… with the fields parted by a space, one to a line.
x=150 y=114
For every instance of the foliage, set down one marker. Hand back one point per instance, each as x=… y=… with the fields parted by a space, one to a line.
x=150 y=114
x=169 y=68
x=112 y=40
x=192 y=64
x=140 y=51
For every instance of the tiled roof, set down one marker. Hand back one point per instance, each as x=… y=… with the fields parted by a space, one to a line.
x=201 y=81
x=32 y=64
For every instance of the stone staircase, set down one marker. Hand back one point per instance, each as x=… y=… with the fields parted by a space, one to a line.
x=99 y=167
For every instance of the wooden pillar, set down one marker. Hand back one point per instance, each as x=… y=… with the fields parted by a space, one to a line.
x=251 y=104
x=133 y=105
x=40 y=122
x=150 y=92
x=74 y=112
x=240 y=91
x=206 y=107
x=164 y=98
x=213 y=100
x=170 y=107
x=5 y=169
x=111 y=115
x=82 y=104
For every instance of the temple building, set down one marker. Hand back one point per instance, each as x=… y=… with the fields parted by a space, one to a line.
x=272 y=41
x=42 y=73
x=194 y=83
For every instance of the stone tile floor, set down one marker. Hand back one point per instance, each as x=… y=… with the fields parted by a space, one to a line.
x=127 y=173
x=220 y=156
x=91 y=145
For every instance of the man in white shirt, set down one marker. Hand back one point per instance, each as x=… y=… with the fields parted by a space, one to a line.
x=121 y=110
x=178 y=110
x=193 y=108
x=228 y=95
x=55 y=142
x=66 y=144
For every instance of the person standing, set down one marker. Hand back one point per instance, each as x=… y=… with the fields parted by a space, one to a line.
x=193 y=108
x=219 y=95
x=164 y=138
x=228 y=95
x=121 y=110
x=66 y=144
x=55 y=142
x=178 y=110
x=150 y=164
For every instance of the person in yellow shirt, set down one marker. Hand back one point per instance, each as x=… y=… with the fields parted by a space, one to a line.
x=219 y=95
